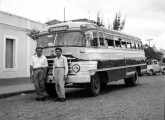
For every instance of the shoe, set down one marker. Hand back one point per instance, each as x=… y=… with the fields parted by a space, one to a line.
x=40 y=99
x=63 y=100
x=58 y=99
x=37 y=99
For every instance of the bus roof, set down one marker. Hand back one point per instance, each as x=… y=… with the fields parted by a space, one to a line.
x=77 y=26
x=71 y=25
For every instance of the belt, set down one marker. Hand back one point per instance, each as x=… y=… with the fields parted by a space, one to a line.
x=38 y=68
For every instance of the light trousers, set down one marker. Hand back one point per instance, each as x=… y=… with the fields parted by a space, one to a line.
x=60 y=82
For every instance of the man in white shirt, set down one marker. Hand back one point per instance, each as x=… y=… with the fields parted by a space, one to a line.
x=38 y=70
x=60 y=68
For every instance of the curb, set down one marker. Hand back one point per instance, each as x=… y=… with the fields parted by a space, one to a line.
x=6 y=95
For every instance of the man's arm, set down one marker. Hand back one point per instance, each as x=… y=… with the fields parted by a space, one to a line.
x=31 y=72
x=66 y=68
x=46 y=68
x=66 y=65
x=31 y=68
x=45 y=75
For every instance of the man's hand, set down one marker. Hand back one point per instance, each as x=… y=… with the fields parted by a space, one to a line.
x=32 y=77
x=45 y=76
x=65 y=77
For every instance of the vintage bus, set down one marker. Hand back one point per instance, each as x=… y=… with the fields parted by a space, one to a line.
x=96 y=55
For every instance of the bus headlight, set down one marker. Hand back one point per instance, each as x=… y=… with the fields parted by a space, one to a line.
x=76 y=68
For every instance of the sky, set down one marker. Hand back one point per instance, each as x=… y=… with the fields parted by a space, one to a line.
x=144 y=18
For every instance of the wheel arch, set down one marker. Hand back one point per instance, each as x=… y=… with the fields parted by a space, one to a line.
x=103 y=77
x=138 y=69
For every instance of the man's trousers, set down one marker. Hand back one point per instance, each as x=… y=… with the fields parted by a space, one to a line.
x=39 y=82
x=60 y=83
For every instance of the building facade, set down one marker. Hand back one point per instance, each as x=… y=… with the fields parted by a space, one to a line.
x=16 y=48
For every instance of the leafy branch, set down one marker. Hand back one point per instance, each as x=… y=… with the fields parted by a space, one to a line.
x=33 y=33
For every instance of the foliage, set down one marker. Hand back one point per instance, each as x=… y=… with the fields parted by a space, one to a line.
x=117 y=23
x=150 y=53
x=159 y=56
x=163 y=60
x=99 y=19
x=33 y=33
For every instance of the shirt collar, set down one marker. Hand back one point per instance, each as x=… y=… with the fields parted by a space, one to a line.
x=38 y=57
x=60 y=57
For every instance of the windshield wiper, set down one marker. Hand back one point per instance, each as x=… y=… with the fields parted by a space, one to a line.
x=76 y=45
x=51 y=46
x=63 y=46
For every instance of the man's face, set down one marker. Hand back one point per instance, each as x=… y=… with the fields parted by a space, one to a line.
x=39 y=52
x=58 y=52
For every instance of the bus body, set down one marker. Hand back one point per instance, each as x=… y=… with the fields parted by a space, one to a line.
x=96 y=55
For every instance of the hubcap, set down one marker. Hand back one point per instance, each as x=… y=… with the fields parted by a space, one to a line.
x=96 y=83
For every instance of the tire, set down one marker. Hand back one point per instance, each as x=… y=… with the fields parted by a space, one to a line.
x=163 y=72
x=151 y=72
x=50 y=89
x=103 y=85
x=95 y=85
x=132 y=81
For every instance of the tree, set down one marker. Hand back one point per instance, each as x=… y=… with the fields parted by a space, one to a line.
x=150 y=53
x=117 y=23
x=159 y=56
x=163 y=60
x=99 y=19
x=33 y=33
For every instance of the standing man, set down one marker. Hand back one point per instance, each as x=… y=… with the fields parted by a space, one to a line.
x=60 y=68
x=38 y=70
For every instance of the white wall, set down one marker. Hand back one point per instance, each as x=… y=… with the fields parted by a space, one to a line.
x=15 y=27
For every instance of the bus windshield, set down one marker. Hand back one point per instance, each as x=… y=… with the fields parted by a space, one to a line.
x=75 y=39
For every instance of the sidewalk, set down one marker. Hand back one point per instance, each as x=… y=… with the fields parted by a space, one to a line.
x=16 y=86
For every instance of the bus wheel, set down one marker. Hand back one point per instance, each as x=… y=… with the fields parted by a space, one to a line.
x=151 y=72
x=163 y=72
x=95 y=85
x=50 y=89
x=132 y=81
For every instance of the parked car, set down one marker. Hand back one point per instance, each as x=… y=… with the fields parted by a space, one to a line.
x=153 y=67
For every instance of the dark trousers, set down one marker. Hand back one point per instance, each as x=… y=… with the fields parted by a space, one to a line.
x=39 y=83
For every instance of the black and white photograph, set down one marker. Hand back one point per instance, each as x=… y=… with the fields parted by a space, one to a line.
x=82 y=59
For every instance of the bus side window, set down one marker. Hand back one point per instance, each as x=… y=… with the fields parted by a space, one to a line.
x=129 y=45
x=110 y=40
x=138 y=46
x=94 y=42
x=133 y=45
x=142 y=47
x=123 y=44
x=117 y=43
x=101 y=39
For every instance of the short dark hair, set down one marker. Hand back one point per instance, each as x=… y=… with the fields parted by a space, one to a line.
x=38 y=48
x=58 y=49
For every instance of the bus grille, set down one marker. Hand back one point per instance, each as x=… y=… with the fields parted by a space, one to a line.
x=50 y=65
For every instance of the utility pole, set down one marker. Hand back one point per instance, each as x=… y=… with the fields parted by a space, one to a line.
x=149 y=41
x=64 y=14
x=89 y=14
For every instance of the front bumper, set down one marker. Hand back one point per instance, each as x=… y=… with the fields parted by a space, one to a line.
x=78 y=79
x=72 y=79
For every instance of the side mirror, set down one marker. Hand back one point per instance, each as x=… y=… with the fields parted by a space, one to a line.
x=88 y=35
